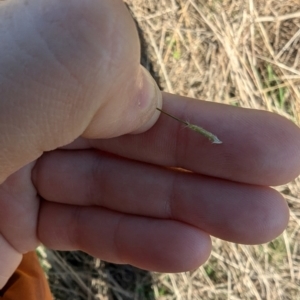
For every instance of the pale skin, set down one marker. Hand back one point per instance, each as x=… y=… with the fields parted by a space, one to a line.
x=70 y=77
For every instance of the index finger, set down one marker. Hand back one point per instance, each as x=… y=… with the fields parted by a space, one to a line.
x=258 y=147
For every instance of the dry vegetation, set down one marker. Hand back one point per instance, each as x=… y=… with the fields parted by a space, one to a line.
x=239 y=52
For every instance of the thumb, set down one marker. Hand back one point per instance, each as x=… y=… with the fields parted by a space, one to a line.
x=68 y=69
x=130 y=108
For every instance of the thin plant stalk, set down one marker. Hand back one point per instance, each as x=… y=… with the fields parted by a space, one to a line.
x=213 y=138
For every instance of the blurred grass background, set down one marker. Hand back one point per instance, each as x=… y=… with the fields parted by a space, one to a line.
x=239 y=52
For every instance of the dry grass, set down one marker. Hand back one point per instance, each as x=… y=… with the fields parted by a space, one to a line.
x=238 y=52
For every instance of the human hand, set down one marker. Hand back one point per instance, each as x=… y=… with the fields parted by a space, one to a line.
x=153 y=200
x=128 y=208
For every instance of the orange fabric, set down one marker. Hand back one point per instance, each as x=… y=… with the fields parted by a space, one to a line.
x=28 y=282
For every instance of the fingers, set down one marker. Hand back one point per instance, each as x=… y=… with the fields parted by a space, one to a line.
x=68 y=68
x=258 y=147
x=235 y=212
x=152 y=244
